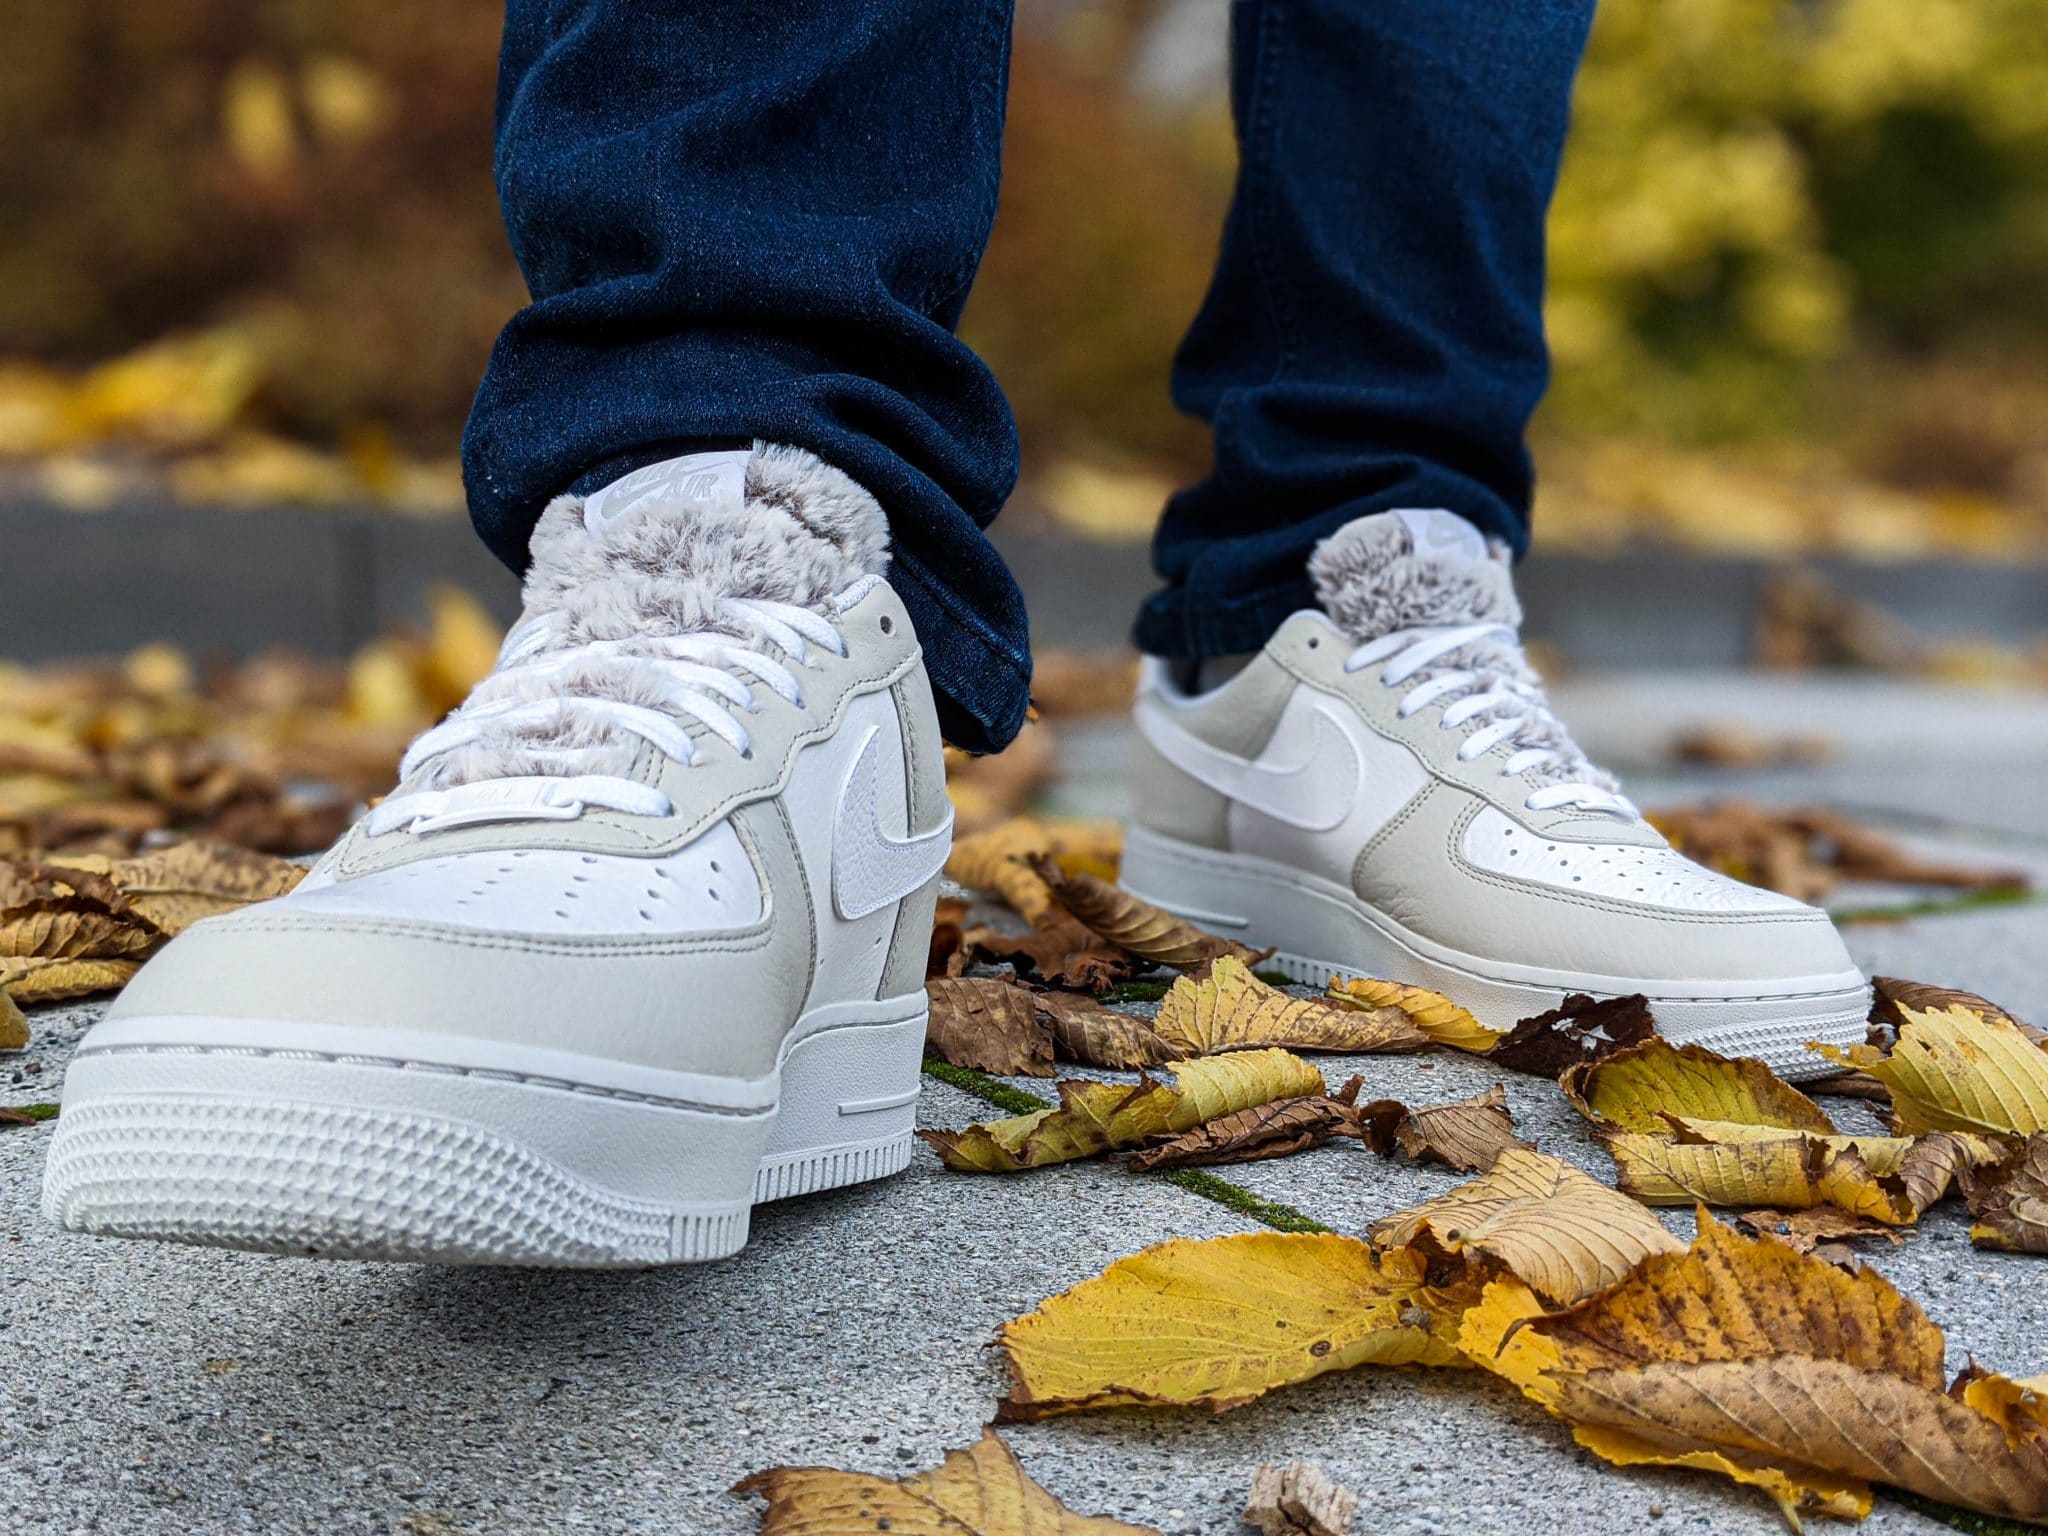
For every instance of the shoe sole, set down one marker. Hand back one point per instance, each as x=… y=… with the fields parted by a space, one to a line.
x=432 y=1149
x=1319 y=931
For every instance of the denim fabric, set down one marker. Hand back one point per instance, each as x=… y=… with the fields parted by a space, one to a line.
x=762 y=220
x=1373 y=337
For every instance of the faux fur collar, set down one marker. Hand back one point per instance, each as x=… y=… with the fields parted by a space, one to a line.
x=1370 y=577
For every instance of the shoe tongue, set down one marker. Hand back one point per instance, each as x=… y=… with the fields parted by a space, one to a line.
x=1408 y=569
x=694 y=483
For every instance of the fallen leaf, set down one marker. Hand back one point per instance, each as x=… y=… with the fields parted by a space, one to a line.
x=1809 y=1230
x=1638 y=1086
x=1299 y=1499
x=1278 y=1129
x=13 y=1025
x=1222 y=1321
x=1064 y=953
x=32 y=980
x=999 y=860
x=1431 y=1012
x=987 y=791
x=987 y=1024
x=1955 y=1070
x=1468 y=1134
x=2009 y=1199
x=1579 y=1029
x=1090 y=1035
x=948 y=954
x=1135 y=925
x=1232 y=1010
x=179 y=885
x=1096 y=1117
x=1564 y=1234
x=1745 y=1357
x=1071 y=683
x=1889 y=994
x=1805 y=851
x=1896 y=1184
x=980 y=1491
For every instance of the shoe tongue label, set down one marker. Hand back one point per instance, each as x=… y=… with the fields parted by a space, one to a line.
x=1433 y=531
x=696 y=482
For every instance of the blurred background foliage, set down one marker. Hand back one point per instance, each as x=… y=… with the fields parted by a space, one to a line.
x=249 y=251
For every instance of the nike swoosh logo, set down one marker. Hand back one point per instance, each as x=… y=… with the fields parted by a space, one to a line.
x=1315 y=793
x=871 y=869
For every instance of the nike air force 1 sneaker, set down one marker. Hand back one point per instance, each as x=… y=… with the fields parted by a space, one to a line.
x=1384 y=790
x=637 y=943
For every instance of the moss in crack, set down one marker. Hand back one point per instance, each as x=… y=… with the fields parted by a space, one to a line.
x=1143 y=990
x=26 y=1114
x=1271 y=1213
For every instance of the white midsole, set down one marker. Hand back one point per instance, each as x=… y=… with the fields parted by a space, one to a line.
x=1321 y=929
x=224 y=1109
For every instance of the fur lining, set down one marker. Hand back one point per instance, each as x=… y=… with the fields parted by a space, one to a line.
x=1369 y=578
x=1372 y=581
x=804 y=533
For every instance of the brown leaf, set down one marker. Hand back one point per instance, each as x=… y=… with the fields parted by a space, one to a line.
x=177 y=886
x=1278 y=1129
x=1071 y=683
x=948 y=955
x=1563 y=1234
x=32 y=980
x=1299 y=1500
x=1805 y=1231
x=13 y=1025
x=987 y=1024
x=1232 y=1010
x=1579 y=1029
x=2009 y=1199
x=980 y=1491
x=1135 y=925
x=1090 y=1035
x=1065 y=953
x=1468 y=1134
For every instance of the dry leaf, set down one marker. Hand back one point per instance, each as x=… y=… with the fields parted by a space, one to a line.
x=1431 y=1012
x=32 y=980
x=1064 y=953
x=1223 y=1321
x=1090 y=1035
x=1102 y=1117
x=1889 y=994
x=1232 y=1010
x=998 y=860
x=1805 y=851
x=13 y=1025
x=179 y=885
x=1637 y=1087
x=1579 y=1029
x=1895 y=1185
x=1955 y=1070
x=1468 y=1134
x=1068 y=683
x=2009 y=1200
x=1299 y=1500
x=979 y=1491
x=986 y=791
x=1565 y=1235
x=1775 y=1368
x=987 y=1024
x=1136 y=926
x=1278 y=1129
x=948 y=955
x=1814 y=1230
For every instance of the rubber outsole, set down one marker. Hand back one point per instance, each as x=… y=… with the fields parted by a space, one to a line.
x=1266 y=907
x=368 y=1157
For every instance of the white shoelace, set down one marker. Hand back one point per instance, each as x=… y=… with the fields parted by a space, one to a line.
x=1504 y=695
x=700 y=676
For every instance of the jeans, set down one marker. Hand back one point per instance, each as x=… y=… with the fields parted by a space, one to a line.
x=762 y=220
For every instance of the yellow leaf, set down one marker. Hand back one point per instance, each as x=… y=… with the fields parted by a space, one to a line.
x=1568 y=1236
x=980 y=1491
x=1773 y=1367
x=999 y=860
x=1232 y=1010
x=1952 y=1069
x=462 y=645
x=1222 y=1321
x=32 y=980
x=1434 y=1014
x=1100 y=1117
x=1895 y=1184
x=13 y=1025
x=1638 y=1086
x=1136 y=926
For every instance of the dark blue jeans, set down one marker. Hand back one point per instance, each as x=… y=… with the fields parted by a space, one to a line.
x=762 y=220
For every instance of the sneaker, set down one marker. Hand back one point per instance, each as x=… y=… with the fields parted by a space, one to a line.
x=1384 y=790
x=637 y=943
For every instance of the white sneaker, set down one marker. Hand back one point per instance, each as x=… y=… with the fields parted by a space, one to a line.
x=638 y=942
x=1385 y=790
